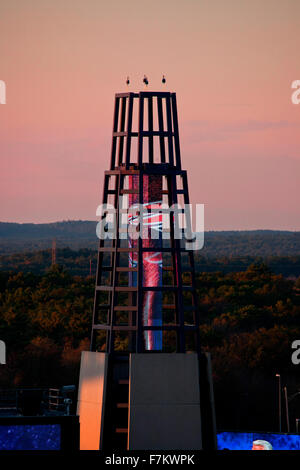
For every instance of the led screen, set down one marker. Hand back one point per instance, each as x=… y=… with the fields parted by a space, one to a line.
x=152 y=261
x=244 y=440
x=30 y=437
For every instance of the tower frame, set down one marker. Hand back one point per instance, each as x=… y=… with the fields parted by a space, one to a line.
x=167 y=164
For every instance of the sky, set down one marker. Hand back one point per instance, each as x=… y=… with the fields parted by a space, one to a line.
x=231 y=64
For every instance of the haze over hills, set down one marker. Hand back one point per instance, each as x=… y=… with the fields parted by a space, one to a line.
x=79 y=234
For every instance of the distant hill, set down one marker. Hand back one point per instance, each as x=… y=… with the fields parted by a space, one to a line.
x=75 y=234
x=81 y=234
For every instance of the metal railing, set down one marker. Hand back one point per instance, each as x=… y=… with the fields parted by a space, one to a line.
x=37 y=401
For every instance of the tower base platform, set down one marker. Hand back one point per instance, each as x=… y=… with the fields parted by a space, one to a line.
x=150 y=401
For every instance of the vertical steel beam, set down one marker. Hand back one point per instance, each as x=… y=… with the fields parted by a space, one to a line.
x=141 y=130
x=140 y=292
x=161 y=129
x=114 y=138
x=192 y=267
x=98 y=271
x=178 y=271
x=150 y=128
x=118 y=183
x=129 y=129
x=176 y=131
x=169 y=129
x=122 y=127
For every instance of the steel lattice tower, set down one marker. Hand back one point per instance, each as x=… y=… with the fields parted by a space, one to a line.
x=145 y=304
x=135 y=155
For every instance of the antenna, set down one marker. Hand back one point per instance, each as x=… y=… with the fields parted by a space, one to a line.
x=145 y=81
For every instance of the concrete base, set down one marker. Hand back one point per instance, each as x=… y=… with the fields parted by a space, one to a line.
x=170 y=405
x=164 y=402
x=91 y=399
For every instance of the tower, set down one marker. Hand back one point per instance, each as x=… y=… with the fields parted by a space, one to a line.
x=145 y=317
x=53 y=252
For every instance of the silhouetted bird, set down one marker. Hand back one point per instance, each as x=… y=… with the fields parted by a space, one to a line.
x=163 y=79
x=127 y=81
x=145 y=80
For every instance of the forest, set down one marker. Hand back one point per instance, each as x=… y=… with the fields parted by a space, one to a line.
x=248 y=321
x=83 y=262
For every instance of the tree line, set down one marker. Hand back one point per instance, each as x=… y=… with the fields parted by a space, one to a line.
x=82 y=262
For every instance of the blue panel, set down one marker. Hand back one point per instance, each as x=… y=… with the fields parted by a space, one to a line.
x=30 y=437
x=244 y=440
x=235 y=440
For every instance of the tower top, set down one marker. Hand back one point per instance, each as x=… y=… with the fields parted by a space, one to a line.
x=145 y=129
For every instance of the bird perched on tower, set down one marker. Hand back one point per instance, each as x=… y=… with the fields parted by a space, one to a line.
x=127 y=81
x=163 y=79
x=145 y=80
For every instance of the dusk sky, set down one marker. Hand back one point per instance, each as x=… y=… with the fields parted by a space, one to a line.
x=231 y=63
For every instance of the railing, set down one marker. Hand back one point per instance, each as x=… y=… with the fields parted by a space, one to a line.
x=37 y=401
x=61 y=399
x=8 y=401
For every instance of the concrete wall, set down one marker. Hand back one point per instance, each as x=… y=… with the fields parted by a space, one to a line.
x=164 y=402
x=91 y=398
